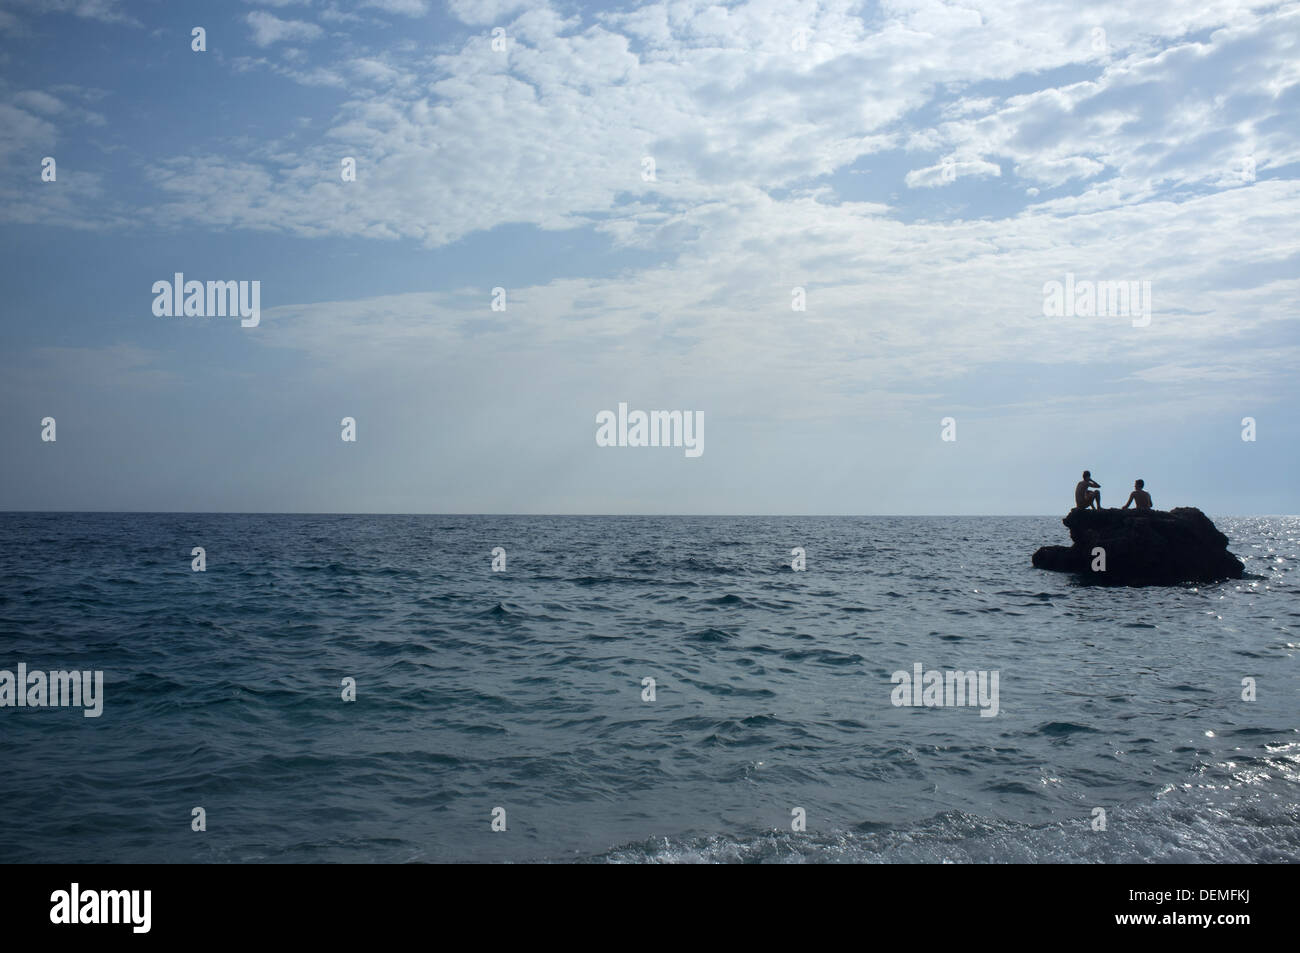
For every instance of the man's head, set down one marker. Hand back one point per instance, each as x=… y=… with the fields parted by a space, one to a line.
x=1087 y=474
x=1139 y=484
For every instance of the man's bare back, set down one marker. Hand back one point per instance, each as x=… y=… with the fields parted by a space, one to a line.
x=1139 y=498
x=1085 y=497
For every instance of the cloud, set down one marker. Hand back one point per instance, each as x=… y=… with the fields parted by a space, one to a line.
x=105 y=11
x=25 y=133
x=748 y=136
x=554 y=130
x=408 y=8
x=948 y=171
x=899 y=310
x=1054 y=172
x=1185 y=114
x=310 y=76
x=484 y=12
x=37 y=101
x=268 y=29
x=375 y=70
x=919 y=173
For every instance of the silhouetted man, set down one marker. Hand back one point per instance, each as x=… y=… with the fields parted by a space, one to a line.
x=1084 y=497
x=1139 y=497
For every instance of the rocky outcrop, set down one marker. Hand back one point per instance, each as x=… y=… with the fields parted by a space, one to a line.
x=1143 y=548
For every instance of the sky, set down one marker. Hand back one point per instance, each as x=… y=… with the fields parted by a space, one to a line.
x=655 y=187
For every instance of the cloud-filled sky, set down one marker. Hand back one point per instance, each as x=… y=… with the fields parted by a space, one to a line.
x=921 y=170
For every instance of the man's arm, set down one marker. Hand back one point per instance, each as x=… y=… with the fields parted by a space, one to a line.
x=1130 y=500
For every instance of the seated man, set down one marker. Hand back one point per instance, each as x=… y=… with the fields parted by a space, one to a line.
x=1139 y=497
x=1084 y=497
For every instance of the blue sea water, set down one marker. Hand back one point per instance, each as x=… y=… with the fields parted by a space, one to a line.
x=522 y=689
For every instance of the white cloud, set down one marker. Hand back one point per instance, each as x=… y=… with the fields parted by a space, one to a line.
x=268 y=29
x=917 y=294
x=1053 y=172
x=105 y=11
x=38 y=101
x=484 y=12
x=553 y=131
x=375 y=70
x=455 y=141
x=894 y=308
x=409 y=8
x=949 y=171
x=24 y=132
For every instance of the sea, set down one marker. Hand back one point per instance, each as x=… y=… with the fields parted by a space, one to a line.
x=388 y=689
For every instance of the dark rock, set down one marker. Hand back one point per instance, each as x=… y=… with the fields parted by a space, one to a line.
x=1143 y=548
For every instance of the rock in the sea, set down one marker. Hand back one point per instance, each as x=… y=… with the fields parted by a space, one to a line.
x=1143 y=548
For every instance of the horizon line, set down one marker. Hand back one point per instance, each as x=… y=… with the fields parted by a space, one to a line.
x=584 y=515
